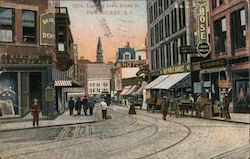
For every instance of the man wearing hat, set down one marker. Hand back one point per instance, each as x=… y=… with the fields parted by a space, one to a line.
x=35 y=112
x=71 y=105
x=164 y=107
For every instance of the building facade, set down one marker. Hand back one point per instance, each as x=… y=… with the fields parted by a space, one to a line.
x=26 y=64
x=31 y=57
x=230 y=50
x=98 y=78
x=169 y=28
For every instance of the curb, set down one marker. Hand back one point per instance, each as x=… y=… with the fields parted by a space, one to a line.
x=47 y=126
x=207 y=118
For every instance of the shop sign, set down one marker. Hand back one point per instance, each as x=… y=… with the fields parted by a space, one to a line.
x=126 y=64
x=7 y=108
x=176 y=69
x=47 y=29
x=197 y=87
x=139 y=62
x=214 y=63
x=23 y=59
x=145 y=71
x=203 y=48
x=49 y=94
x=188 y=49
x=206 y=83
x=224 y=84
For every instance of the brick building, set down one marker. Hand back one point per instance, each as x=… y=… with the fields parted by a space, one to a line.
x=30 y=59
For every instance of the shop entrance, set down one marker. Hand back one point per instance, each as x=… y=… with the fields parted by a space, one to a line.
x=36 y=87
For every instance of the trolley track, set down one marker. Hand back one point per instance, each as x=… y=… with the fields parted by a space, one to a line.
x=80 y=143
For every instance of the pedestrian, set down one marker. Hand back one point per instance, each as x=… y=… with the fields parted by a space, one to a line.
x=91 y=105
x=78 y=106
x=164 y=107
x=226 y=106
x=104 y=109
x=132 y=108
x=35 y=112
x=85 y=104
x=71 y=105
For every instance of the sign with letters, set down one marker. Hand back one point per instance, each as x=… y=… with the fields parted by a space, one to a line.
x=203 y=47
x=47 y=29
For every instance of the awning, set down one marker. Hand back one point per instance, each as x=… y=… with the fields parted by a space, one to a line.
x=125 y=89
x=140 y=90
x=171 y=80
x=156 y=81
x=67 y=83
x=132 y=89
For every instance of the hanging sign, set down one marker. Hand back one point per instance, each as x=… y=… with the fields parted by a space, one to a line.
x=203 y=47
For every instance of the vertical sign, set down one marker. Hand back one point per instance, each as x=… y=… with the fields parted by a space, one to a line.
x=47 y=29
x=203 y=47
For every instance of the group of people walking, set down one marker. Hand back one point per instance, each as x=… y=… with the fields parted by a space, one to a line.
x=84 y=104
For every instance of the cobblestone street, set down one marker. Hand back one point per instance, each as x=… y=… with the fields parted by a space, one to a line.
x=144 y=135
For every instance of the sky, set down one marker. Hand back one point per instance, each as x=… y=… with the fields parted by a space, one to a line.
x=121 y=21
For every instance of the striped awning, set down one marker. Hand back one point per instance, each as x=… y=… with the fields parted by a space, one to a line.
x=125 y=90
x=63 y=83
x=132 y=89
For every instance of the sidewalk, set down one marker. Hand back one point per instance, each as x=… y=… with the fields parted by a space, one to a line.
x=64 y=119
x=235 y=117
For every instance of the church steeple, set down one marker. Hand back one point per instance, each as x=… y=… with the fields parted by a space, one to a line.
x=99 y=52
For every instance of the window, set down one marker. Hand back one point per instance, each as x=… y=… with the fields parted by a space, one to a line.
x=168 y=54
x=238 y=29
x=98 y=90
x=152 y=60
x=126 y=56
x=183 y=43
x=162 y=56
x=167 y=26
x=139 y=57
x=151 y=18
x=160 y=6
x=97 y=84
x=161 y=29
x=174 y=20
x=157 y=61
x=6 y=24
x=152 y=36
x=220 y=37
x=182 y=18
x=61 y=32
x=155 y=10
x=166 y=4
x=175 y=51
x=156 y=33
x=217 y=3
x=29 y=26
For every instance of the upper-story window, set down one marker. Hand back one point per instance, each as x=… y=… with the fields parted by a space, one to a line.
x=139 y=57
x=6 y=24
x=126 y=56
x=238 y=29
x=182 y=18
x=217 y=3
x=61 y=32
x=29 y=26
x=220 y=35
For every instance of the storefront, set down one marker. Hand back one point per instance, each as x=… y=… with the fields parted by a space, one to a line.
x=240 y=83
x=19 y=86
x=174 y=82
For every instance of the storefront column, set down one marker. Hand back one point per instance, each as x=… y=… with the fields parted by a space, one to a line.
x=19 y=94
